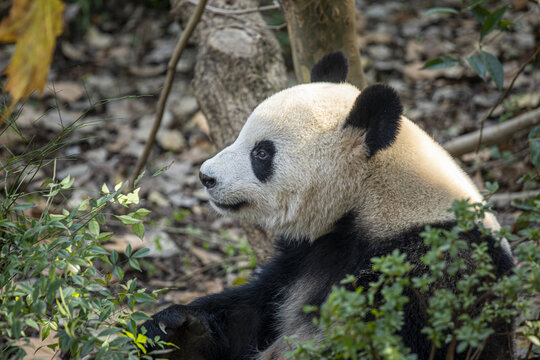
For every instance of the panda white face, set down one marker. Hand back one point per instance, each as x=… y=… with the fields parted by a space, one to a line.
x=280 y=173
x=313 y=153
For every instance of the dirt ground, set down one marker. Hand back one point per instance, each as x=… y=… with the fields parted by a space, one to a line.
x=122 y=56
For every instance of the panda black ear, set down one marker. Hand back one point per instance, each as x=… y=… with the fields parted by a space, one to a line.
x=378 y=110
x=331 y=68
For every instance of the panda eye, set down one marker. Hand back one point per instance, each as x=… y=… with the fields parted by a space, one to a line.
x=260 y=154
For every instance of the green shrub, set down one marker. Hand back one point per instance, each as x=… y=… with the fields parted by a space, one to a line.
x=365 y=323
x=56 y=278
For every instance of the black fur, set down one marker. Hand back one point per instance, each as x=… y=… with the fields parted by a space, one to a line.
x=378 y=110
x=331 y=68
x=263 y=168
x=238 y=323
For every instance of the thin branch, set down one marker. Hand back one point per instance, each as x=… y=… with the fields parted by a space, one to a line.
x=169 y=79
x=493 y=134
x=520 y=70
x=227 y=12
x=504 y=199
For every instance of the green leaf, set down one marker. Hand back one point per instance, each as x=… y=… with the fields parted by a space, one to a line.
x=45 y=331
x=114 y=257
x=32 y=323
x=143 y=298
x=441 y=10
x=442 y=62
x=139 y=316
x=505 y=25
x=534 y=340
x=535 y=132
x=142 y=212
x=94 y=249
x=134 y=264
x=480 y=14
x=492 y=21
x=20 y=207
x=127 y=220
x=141 y=253
x=93 y=227
x=494 y=68
x=476 y=63
x=118 y=272
x=138 y=229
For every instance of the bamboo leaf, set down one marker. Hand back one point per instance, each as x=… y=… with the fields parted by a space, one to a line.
x=442 y=62
x=441 y=10
x=492 y=21
x=494 y=68
x=476 y=63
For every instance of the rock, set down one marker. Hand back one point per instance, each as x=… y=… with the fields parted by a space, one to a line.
x=529 y=100
x=201 y=195
x=183 y=108
x=199 y=121
x=413 y=51
x=380 y=52
x=171 y=140
x=74 y=171
x=377 y=12
x=205 y=257
x=73 y=52
x=29 y=116
x=181 y=200
x=160 y=244
x=97 y=39
x=68 y=91
x=104 y=85
x=147 y=70
x=158 y=199
x=55 y=121
x=162 y=51
x=96 y=156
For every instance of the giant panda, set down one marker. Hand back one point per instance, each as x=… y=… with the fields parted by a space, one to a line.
x=342 y=177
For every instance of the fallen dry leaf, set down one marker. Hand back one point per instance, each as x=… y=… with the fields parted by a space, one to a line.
x=34 y=26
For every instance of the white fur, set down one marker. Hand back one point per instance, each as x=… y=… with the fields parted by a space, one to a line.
x=321 y=170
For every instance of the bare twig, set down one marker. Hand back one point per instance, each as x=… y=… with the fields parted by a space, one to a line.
x=520 y=70
x=220 y=11
x=504 y=199
x=169 y=79
x=494 y=134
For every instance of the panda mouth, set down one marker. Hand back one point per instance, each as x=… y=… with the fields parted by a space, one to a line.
x=232 y=206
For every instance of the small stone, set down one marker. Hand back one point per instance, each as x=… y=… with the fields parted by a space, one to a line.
x=183 y=201
x=380 y=52
x=183 y=108
x=97 y=39
x=68 y=91
x=158 y=199
x=171 y=140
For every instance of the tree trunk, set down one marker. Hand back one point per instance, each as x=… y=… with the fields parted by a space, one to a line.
x=319 y=27
x=239 y=64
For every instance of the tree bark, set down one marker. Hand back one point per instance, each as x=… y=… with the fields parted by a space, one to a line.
x=319 y=27
x=239 y=64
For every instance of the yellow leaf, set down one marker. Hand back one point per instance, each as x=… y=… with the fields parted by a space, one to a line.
x=34 y=26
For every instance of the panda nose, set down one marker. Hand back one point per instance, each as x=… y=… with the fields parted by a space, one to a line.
x=207 y=181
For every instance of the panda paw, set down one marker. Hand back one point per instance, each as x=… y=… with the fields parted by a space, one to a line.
x=184 y=326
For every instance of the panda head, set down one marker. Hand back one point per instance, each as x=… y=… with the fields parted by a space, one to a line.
x=299 y=162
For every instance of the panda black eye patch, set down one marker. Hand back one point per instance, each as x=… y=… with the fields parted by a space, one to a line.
x=262 y=158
